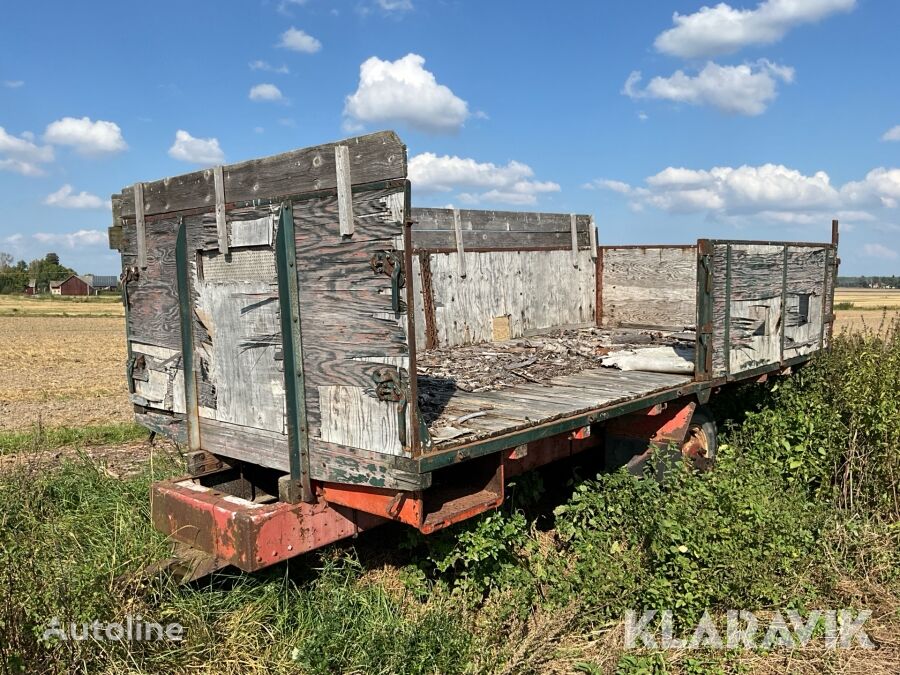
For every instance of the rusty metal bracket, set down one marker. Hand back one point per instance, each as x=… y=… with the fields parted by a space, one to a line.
x=390 y=263
x=390 y=386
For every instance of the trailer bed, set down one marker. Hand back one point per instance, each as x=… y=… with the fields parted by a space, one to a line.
x=480 y=391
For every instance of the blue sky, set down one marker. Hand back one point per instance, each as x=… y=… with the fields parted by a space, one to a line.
x=666 y=120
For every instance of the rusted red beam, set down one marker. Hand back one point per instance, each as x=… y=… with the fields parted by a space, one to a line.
x=248 y=535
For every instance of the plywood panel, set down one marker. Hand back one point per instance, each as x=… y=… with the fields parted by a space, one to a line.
x=654 y=286
x=536 y=290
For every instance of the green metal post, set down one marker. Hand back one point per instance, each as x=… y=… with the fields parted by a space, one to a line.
x=182 y=278
x=292 y=348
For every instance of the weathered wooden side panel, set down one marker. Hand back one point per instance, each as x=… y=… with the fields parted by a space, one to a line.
x=350 y=329
x=804 y=300
x=769 y=303
x=649 y=286
x=507 y=294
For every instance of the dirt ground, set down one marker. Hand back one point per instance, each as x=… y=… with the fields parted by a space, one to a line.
x=63 y=371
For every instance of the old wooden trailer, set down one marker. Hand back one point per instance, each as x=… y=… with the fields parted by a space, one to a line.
x=335 y=359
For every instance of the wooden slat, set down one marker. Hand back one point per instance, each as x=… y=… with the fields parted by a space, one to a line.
x=221 y=223
x=141 y=234
x=574 y=229
x=460 y=248
x=499 y=221
x=374 y=157
x=445 y=240
x=344 y=185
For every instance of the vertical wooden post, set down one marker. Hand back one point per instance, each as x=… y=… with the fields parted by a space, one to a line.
x=221 y=222
x=592 y=234
x=726 y=329
x=140 y=232
x=300 y=486
x=703 y=354
x=784 y=266
x=460 y=249
x=344 y=190
x=185 y=314
x=835 y=263
x=573 y=226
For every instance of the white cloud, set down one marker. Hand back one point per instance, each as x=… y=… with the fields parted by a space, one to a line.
x=723 y=29
x=881 y=186
x=879 y=251
x=73 y=240
x=782 y=194
x=265 y=92
x=482 y=181
x=66 y=198
x=21 y=155
x=86 y=136
x=204 y=151
x=606 y=184
x=13 y=84
x=268 y=67
x=746 y=89
x=403 y=91
x=298 y=41
x=892 y=134
x=396 y=5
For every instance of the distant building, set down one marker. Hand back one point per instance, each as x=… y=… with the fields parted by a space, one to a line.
x=101 y=282
x=31 y=287
x=74 y=285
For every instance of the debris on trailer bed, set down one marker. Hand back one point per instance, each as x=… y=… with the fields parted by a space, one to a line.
x=536 y=359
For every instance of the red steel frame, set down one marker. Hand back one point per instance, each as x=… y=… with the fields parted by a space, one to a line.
x=253 y=536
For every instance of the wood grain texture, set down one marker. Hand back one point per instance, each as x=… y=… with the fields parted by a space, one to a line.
x=537 y=289
x=344 y=188
x=221 y=221
x=347 y=320
x=528 y=405
x=153 y=297
x=374 y=157
x=649 y=286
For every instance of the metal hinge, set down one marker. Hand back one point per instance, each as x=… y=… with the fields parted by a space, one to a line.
x=390 y=385
x=390 y=263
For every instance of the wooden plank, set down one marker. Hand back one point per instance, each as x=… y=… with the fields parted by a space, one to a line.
x=460 y=247
x=500 y=221
x=141 y=234
x=221 y=222
x=344 y=186
x=574 y=232
x=480 y=240
x=374 y=157
x=649 y=285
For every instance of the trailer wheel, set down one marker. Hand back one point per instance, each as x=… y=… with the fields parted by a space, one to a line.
x=700 y=444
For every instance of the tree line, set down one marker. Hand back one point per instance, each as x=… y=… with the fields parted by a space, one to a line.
x=869 y=282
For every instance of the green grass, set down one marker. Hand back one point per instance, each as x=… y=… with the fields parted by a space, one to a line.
x=804 y=504
x=41 y=438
